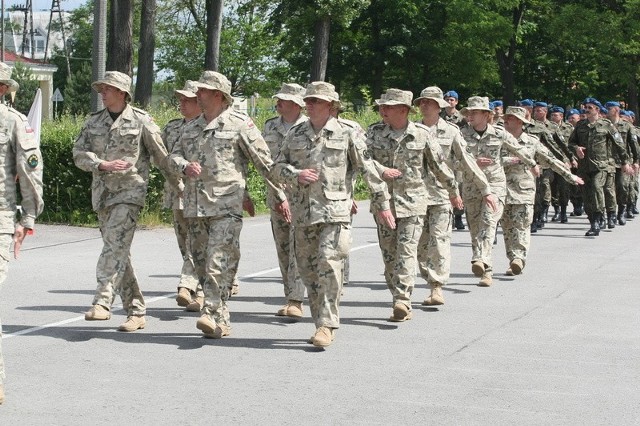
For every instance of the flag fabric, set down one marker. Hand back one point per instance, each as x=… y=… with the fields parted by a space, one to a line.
x=35 y=115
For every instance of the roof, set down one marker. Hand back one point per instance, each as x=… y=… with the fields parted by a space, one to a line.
x=10 y=56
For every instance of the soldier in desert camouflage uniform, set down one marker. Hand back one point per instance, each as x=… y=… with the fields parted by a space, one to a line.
x=487 y=144
x=289 y=107
x=521 y=188
x=20 y=159
x=116 y=144
x=316 y=162
x=406 y=152
x=214 y=153
x=434 y=247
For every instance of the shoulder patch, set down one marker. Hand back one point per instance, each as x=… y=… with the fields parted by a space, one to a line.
x=33 y=161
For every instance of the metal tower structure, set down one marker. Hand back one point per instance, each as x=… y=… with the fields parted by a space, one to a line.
x=27 y=28
x=55 y=7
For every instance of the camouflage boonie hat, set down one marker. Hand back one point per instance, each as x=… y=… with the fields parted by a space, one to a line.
x=518 y=112
x=395 y=97
x=213 y=80
x=322 y=90
x=435 y=94
x=5 y=77
x=115 y=79
x=291 y=92
x=476 y=103
x=190 y=89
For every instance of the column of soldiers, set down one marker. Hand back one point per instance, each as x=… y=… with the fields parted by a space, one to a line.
x=421 y=177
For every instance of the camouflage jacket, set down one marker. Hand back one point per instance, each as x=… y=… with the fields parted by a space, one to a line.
x=550 y=136
x=521 y=184
x=273 y=133
x=454 y=148
x=223 y=148
x=455 y=118
x=337 y=152
x=491 y=145
x=173 y=184
x=628 y=135
x=133 y=137
x=416 y=154
x=20 y=158
x=602 y=141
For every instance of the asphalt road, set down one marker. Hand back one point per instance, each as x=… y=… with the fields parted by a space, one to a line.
x=559 y=344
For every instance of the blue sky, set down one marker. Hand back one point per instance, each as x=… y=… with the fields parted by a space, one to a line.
x=46 y=4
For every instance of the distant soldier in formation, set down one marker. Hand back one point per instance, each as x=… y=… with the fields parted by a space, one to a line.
x=117 y=144
x=560 y=189
x=316 y=163
x=20 y=160
x=289 y=106
x=450 y=113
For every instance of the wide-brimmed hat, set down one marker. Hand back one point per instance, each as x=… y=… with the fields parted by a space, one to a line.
x=5 y=77
x=190 y=89
x=213 y=80
x=120 y=81
x=518 y=112
x=435 y=94
x=395 y=97
x=476 y=103
x=291 y=92
x=322 y=90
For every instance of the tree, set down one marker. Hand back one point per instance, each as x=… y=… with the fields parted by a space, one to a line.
x=77 y=98
x=214 y=29
x=144 y=82
x=120 y=44
x=23 y=75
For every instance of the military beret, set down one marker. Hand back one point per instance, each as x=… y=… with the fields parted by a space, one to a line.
x=492 y=105
x=603 y=110
x=631 y=113
x=497 y=103
x=525 y=103
x=610 y=104
x=541 y=104
x=451 y=94
x=624 y=112
x=573 y=111
x=593 y=101
x=557 y=109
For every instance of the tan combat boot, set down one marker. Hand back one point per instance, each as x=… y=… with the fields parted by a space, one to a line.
x=1 y=394
x=486 y=279
x=210 y=329
x=184 y=297
x=324 y=337
x=196 y=304
x=132 y=323
x=291 y=309
x=401 y=313
x=97 y=313
x=477 y=268
x=436 y=297
x=516 y=266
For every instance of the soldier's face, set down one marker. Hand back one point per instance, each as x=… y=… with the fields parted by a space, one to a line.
x=394 y=115
x=206 y=97
x=478 y=119
x=284 y=107
x=592 y=111
x=613 y=112
x=112 y=98
x=573 y=119
x=189 y=106
x=3 y=89
x=317 y=108
x=452 y=101
x=556 y=117
x=429 y=107
x=540 y=113
x=512 y=124
x=498 y=110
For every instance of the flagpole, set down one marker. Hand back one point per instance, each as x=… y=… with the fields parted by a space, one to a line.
x=2 y=29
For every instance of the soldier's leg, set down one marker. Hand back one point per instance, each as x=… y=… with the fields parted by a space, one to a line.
x=335 y=243
x=473 y=211
x=435 y=243
x=5 y=243
x=611 y=204
x=516 y=220
x=387 y=241
x=117 y=226
x=188 y=276
x=408 y=231
x=306 y=253
x=547 y=180
x=284 y=240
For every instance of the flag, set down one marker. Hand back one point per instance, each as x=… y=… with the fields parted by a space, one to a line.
x=35 y=115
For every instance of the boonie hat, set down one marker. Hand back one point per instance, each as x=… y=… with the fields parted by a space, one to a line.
x=5 y=77
x=435 y=94
x=395 y=97
x=190 y=89
x=476 y=103
x=322 y=90
x=117 y=79
x=518 y=112
x=291 y=92
x=213 y=80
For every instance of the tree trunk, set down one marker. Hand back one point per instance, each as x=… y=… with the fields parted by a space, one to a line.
x=144 y=82
x=214 y=28
x=320 y=49
x=506 y=59
x=120 y=36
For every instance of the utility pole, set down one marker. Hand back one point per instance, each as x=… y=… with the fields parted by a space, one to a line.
x=99 y=48
x=55 y=7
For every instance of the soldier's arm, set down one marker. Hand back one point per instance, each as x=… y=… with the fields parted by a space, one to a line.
x=632 y=140
x=29 y=172
x=561 y=143
x=83 y=157
x=618 y=146
x=548 y=160
x=465 y=161
x=511 y=144
x=436 y=162
x=152 y=140
x=360 y=156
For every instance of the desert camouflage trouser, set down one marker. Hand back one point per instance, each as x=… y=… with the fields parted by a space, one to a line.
x=593 y=191
x=321 y=252
x=624 y=187
x=610 y=202
x=5 y=243
x=399 y=249
x=516 y=228
x=114 y=271
x=215 y=247
x=482 y=228
x=434 y=248
x=188 y=276
x=285 y=247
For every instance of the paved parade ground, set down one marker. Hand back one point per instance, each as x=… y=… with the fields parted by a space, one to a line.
x=559 y=344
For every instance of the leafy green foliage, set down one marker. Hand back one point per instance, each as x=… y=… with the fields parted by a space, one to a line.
x=28 y=87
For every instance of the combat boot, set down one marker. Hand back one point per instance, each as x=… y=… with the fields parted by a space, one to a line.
x=621 y=213
x=486 y=279
x=97 y=313
x=594 y=220
x=611 y=220
x=534 y=226
x=634 y=209
x=563 y=214
x=544 y=215
x=401 y=313
x=210 y=329
x=133 y=323
x=184 y=297
x=577 y=209
x=458 y=223
x=196 y=304
x=602 y=223
x=556 y=214
x=291 y=309
x=324 y=337
x=631 y=210
x=477 y=268
x=1 y=394
x=436 y=297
